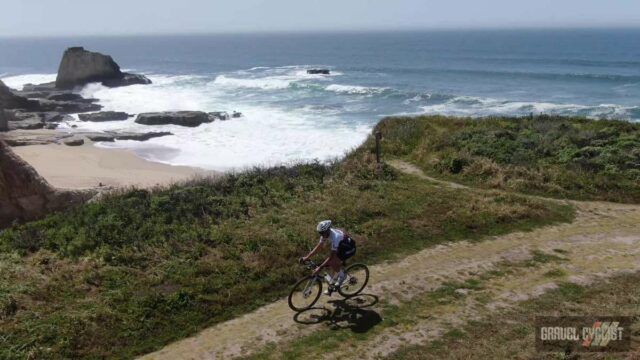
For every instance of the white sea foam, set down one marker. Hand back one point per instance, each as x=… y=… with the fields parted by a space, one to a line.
x=265 y=135
x=18 y=81
x=355 y=89
x=269 y=83
x=165 y=93
x=266 y=78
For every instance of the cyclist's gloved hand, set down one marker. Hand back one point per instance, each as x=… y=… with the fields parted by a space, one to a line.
x=301 y=260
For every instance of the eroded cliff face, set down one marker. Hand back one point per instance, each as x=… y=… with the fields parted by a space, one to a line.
x=25 y=195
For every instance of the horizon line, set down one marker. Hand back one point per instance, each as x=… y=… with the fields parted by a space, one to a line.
x=324 y=31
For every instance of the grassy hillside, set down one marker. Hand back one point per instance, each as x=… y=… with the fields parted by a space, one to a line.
x=547 y=155
x=516 y=331
x=139 y=269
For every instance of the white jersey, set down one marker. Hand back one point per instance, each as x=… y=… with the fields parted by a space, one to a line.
x=335 y=236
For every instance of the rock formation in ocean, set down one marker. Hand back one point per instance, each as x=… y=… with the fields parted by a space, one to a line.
x=79 y=67
x=182 y=118
x=25 y=195
x=319 y=71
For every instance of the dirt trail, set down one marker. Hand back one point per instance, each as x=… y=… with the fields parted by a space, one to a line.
x=603 y=241
x=411 y=169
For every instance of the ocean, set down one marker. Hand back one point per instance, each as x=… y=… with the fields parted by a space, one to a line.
x=291 y=116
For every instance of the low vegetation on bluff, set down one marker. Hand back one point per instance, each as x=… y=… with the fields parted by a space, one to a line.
x=141 y=268
x=544 y=155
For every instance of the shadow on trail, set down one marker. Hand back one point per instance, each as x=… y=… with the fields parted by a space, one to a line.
x=350 y=313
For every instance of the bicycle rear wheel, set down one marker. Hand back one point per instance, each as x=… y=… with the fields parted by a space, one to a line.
x=305 y=293
x=356 y=280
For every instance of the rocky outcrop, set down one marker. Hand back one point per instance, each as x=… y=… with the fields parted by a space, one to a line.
x=182 y=118
x=18 y=119
x=4 y=122
x=126 y=80
x=142 y=136
x=100 y=137
x=319 y=71
x=79 y=67
x=25 y=137
x=110 y=136
x=67 y=107
x=33 y=137
x=74 y=141
x=9 y=100
x=25 y=195
x=46 y=87
x=104 y=116
x=67 y=96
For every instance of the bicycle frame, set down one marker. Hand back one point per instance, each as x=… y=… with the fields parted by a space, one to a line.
x=307 y=285
x=320 y=278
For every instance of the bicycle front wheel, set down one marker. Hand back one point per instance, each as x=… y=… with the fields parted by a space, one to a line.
x=305 y=293
x=357 y=278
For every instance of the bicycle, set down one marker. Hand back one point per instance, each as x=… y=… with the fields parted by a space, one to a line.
x=307 y=291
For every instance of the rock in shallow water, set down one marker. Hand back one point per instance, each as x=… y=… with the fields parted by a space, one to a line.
x=141 y=136
x=74 y=142
x=182 y=118
x=65 y=96
x=113 y=136
x=104 y=116
x=318 y=71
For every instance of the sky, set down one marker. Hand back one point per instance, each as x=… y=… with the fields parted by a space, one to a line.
x=124 y=17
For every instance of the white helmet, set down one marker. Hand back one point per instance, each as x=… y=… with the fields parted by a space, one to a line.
x=324 y=226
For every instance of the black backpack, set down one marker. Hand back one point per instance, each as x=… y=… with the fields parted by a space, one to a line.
x=347 y=247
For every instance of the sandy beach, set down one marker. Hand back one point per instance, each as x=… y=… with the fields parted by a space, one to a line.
x=87 y=166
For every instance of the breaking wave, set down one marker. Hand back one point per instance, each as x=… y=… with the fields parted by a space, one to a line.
x=476 y=106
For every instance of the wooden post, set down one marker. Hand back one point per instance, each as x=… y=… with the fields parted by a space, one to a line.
x=378 y=150
x=378 y=137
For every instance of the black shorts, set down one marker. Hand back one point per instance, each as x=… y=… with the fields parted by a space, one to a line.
x=346 y=249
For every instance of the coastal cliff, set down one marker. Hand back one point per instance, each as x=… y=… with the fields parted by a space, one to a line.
x=25 y=195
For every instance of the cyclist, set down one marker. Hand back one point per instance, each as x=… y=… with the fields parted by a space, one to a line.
x=342 y=247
